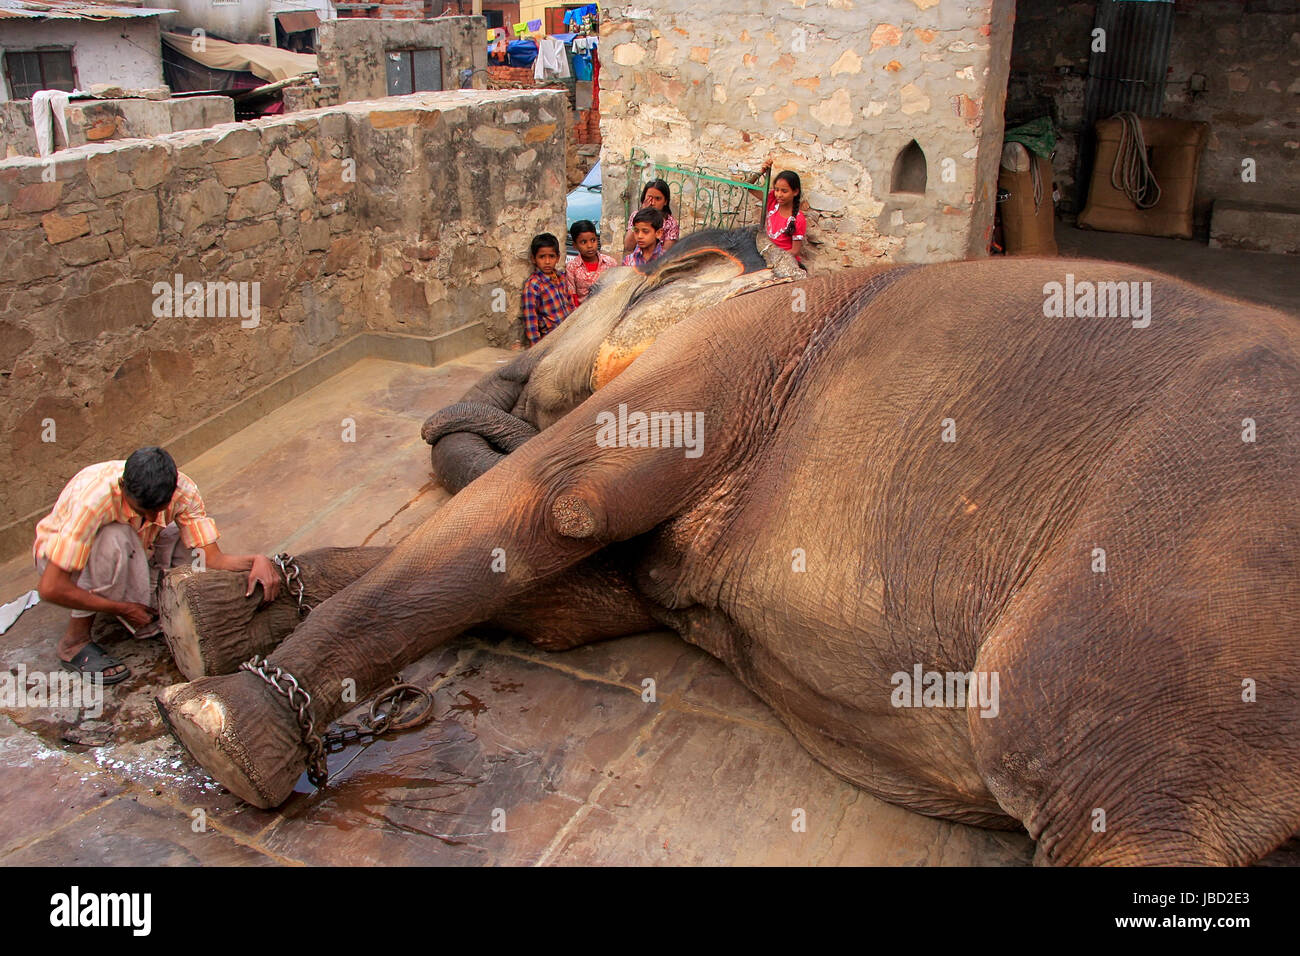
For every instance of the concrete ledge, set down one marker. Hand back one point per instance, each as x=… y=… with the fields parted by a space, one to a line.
x=1257 y=226
x=413 y=349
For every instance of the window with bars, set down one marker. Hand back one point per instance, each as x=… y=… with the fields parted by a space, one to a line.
x=30 y=70
x=412 y=71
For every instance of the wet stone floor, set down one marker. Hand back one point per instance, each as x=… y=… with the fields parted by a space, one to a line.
x=531 y=758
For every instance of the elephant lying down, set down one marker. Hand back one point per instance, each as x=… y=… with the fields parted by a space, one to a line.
x=906 y=474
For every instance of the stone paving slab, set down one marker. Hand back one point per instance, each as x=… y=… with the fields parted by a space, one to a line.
x=128 y=832
x=42 y=789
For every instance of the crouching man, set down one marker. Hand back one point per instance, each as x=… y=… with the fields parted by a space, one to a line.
x=115 y=529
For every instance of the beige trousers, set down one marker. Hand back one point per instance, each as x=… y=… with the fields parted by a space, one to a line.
x=120 y=569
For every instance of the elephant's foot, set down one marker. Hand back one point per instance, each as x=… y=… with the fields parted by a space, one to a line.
x=241 y=732
x=211 y=627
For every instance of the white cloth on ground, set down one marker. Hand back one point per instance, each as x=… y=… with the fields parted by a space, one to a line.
x=14 y=609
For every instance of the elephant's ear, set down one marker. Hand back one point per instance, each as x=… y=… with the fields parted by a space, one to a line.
x=704 y=257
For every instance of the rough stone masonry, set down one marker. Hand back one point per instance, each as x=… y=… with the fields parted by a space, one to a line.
x=833 y=89
x=401 y=215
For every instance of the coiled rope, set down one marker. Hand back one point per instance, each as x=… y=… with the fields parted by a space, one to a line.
x=1131 y=173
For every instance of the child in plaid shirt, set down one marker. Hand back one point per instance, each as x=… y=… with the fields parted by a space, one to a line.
x=548 y=293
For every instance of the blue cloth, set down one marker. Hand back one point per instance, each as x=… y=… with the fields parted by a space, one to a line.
x=573 y=18
x=582 y=67
x=522 y=52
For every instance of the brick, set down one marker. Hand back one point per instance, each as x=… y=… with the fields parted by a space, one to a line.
x=38 y=197
x=240 y=172
x=150 y=168
x=259 y=199
x=84 y=251
x=540 y=133
x=249 y=236
x=105 y=176
x=331 y=182
x=64 y=229
x=140 y=220
x=315 y=236
x=236 y=144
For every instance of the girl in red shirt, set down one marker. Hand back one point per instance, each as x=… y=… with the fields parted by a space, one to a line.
x=783 y=221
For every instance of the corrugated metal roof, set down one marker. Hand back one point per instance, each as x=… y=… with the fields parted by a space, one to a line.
x=73 y=10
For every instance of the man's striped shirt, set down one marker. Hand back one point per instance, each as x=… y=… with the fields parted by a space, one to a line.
x=94 y=498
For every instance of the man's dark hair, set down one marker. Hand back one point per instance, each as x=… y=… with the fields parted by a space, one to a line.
x=150 y=477
x=652 y=216
x=543 y=240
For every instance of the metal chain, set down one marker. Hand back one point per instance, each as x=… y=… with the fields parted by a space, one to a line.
x=300 y=701
x=288 y=566
x=378 y=722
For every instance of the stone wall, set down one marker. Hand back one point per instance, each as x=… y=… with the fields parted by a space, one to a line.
x=352 y=52
x=411 y=214
x=1247 y=50
x=17 y=132
x=832 y=91
x=97 y=120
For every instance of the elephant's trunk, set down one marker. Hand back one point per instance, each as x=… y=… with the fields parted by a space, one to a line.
x=502 y=430
x=474 y=434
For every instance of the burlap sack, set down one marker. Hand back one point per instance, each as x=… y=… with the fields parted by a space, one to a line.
x=1175 y=150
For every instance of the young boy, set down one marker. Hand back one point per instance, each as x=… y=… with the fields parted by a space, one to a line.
x=548 y=294
x=647 y=230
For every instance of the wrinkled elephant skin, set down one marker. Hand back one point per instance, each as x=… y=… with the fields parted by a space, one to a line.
x=919 y=472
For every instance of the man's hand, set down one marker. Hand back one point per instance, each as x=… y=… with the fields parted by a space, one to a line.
x=265 y=573
x=137 y=615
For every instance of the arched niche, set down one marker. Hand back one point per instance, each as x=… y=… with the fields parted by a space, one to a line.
x=909 y=170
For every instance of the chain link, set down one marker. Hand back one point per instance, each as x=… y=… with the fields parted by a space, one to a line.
x=398 y=717
x=378 y=722
x=300 y=701
x=288 y=566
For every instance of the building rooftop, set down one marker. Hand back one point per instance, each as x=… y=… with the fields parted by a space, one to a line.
x=74 y=10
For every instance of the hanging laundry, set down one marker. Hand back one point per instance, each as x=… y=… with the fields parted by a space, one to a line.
x=552 y=61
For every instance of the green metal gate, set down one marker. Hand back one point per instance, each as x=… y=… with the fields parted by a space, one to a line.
x=702 y=198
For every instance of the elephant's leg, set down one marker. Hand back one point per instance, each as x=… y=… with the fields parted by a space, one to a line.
x=593 y=601
x=552 y=504
x=211 y=627
x=1149 y=712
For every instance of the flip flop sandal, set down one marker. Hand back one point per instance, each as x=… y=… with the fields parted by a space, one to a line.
x=92 y=660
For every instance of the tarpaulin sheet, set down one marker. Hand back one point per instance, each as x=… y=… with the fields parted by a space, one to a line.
x=268 y=63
